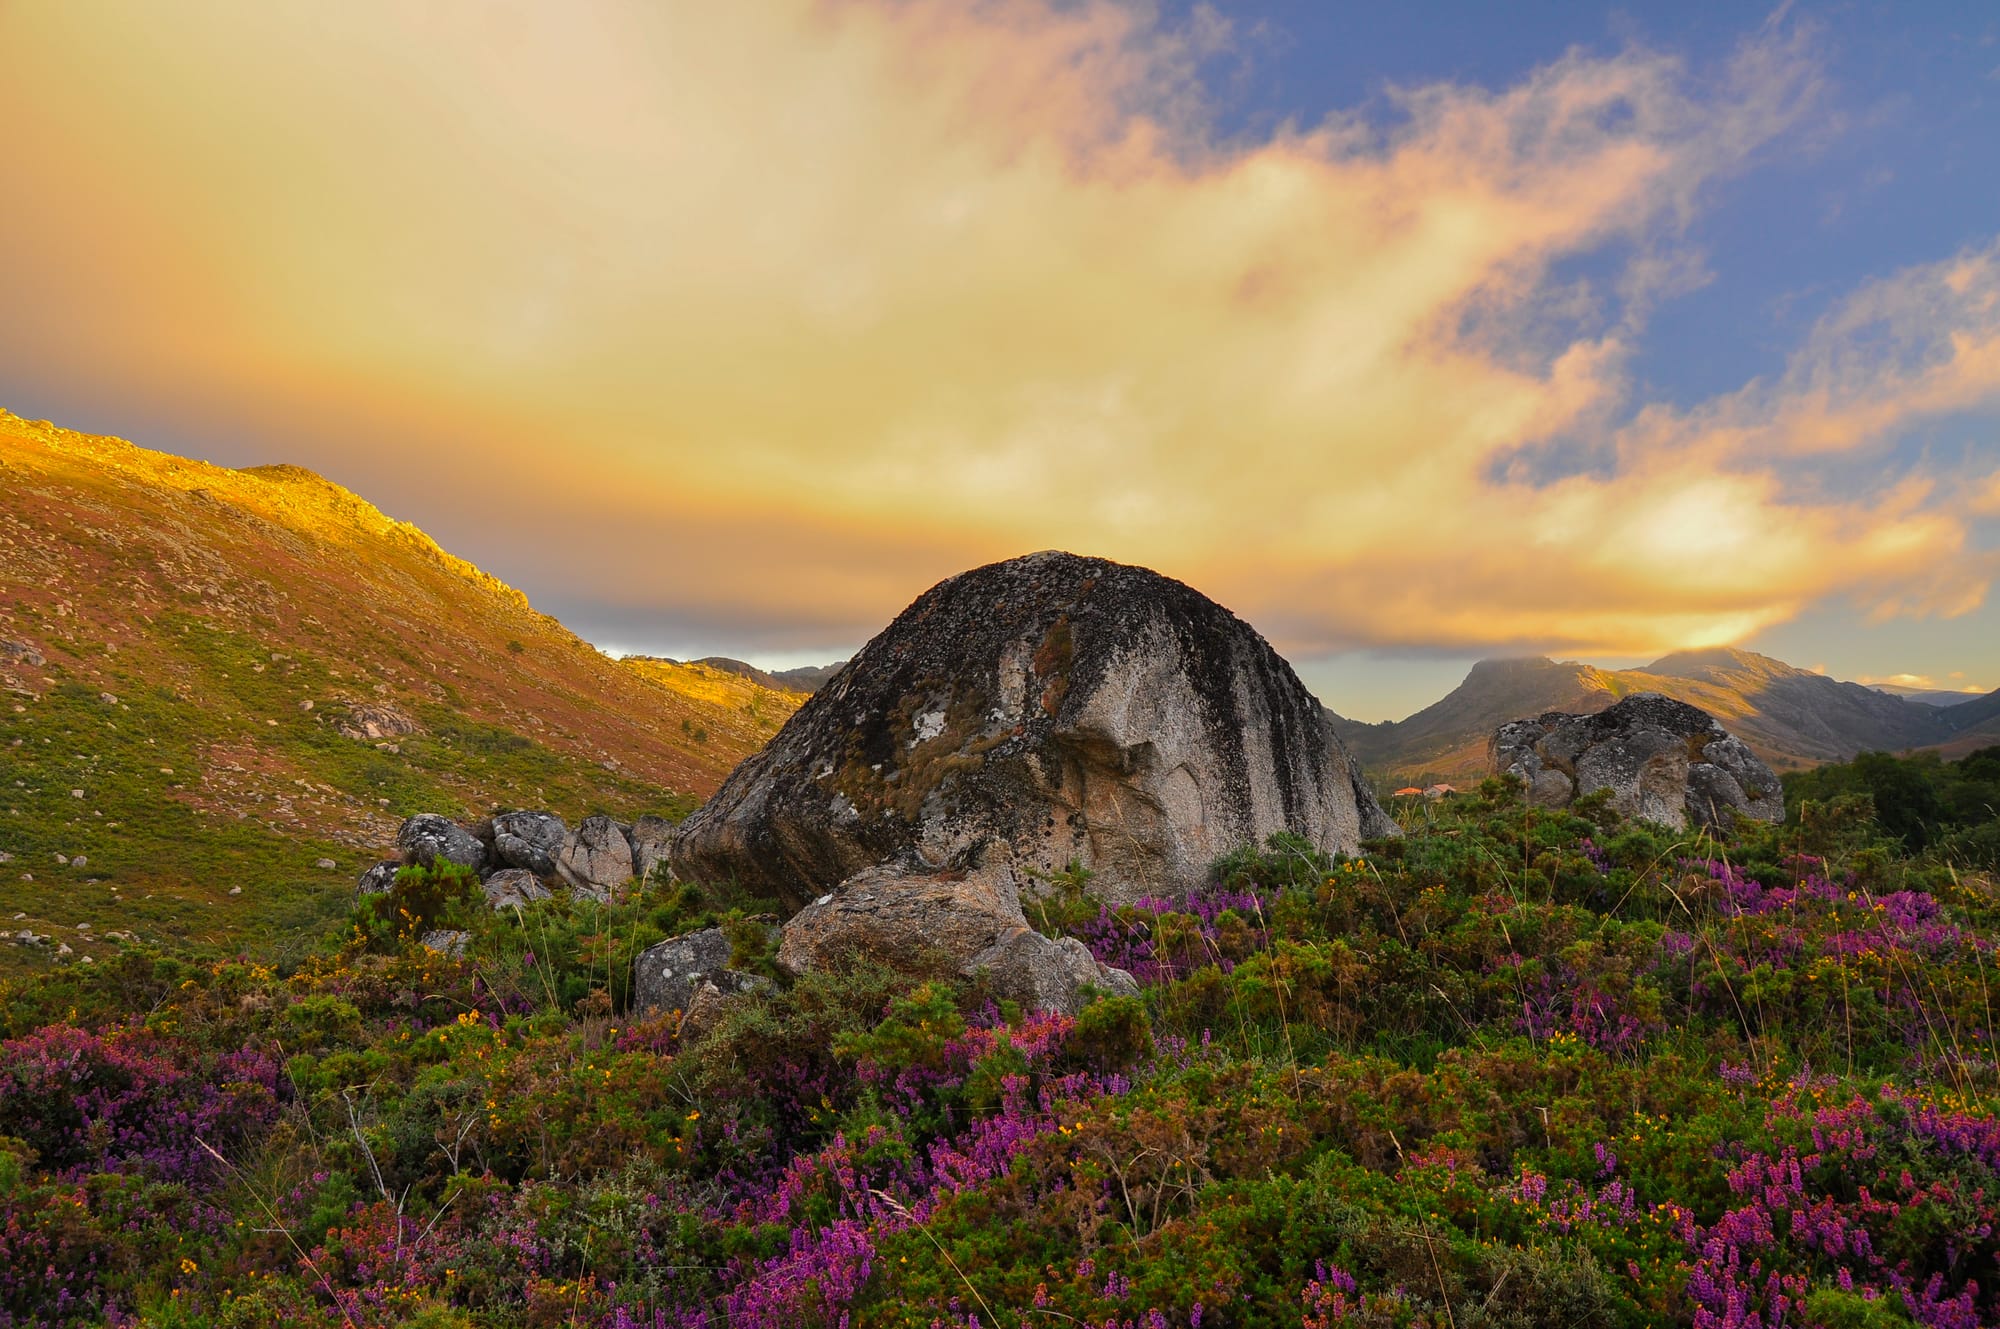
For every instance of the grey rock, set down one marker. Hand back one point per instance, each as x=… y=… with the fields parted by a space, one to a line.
x=325 y=864
x=968 y=916
x=367 y=721
x=597 y=860
x=448 y=942
x=379 y=879
x=1664 y=761
x=13 y=648
x=513 y=888
x=712 y=1000
x=428 y=837
x=530 y=840
x=670 y=975
x=650 y=838
x=1062 y=708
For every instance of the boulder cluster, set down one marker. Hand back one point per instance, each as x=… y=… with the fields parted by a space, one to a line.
x=1024 y=719
x=521 y=856
x=1661 y=760
x=1047 y=715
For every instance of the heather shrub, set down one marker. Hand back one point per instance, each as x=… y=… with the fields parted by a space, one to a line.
x=1518 y=1067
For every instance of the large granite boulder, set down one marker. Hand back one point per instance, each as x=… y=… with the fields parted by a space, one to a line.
x=597 y=859
x=1036 y=712
x=427 y=837
x=1663 y=760
x=971 y=916
x=533 y=841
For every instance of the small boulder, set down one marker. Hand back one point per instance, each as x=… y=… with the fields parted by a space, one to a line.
x=650 y=836
x=597 y=860
x=670 y=976
x=894 y=914
x=513 y=888
x=448 y=942
x=379 y=879
x=530 y=840
x=712 y=1000
x=13 y=648
x=367 y=721
x=1664 y=761
x=325 y=864
x=427 y=837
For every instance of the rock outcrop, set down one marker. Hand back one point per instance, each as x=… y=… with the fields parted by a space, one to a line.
x=513 y=888
x=532 y=841
x=519 y=856
x=1663 y=760
x=650 y=837
x=597 y=860
x=895 y=914
x=367 y=721
x=1032 y=713
x=427 y=837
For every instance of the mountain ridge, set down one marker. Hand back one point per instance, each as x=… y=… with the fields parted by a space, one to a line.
x=1791 y=717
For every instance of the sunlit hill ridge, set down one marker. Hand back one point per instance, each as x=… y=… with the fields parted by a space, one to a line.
x=205 y=672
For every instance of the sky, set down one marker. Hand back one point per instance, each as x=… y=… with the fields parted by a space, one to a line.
x=1412 y=333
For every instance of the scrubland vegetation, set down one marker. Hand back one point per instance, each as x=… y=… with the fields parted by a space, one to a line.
x=1518 y=1067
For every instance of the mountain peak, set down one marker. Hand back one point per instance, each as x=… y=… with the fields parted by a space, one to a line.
x=1707 y=664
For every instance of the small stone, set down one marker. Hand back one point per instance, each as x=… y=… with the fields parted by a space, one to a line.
x=107 y=698
x=166 y=770
x=325 y=864
x=306 y=705
x=448 y=942
x=236 y=890
x=79 y=862
x=62 y=948
x=62 y=860
x=272 y=723
x=76 y=793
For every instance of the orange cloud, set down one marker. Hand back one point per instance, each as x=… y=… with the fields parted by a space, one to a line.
x=866 y=291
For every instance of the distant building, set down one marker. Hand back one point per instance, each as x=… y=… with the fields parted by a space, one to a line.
x=1407 y=791
x=1439 y=791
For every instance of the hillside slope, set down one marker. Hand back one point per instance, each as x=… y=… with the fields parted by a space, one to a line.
x=1792 y=717
x=203 y=678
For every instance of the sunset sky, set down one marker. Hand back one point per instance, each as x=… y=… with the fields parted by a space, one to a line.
x=1412 y=333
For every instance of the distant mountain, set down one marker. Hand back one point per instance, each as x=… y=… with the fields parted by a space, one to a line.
x=805 y=678
x=811 y=678
x=1792 y=717
x=1927 y=696
x=214 y=678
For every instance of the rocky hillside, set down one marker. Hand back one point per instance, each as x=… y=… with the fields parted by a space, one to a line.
x=1790 y=717
x=213 y=681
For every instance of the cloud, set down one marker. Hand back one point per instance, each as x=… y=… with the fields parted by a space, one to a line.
x=771 y=313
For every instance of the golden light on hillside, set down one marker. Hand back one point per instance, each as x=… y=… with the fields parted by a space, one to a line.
x=869 y=292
